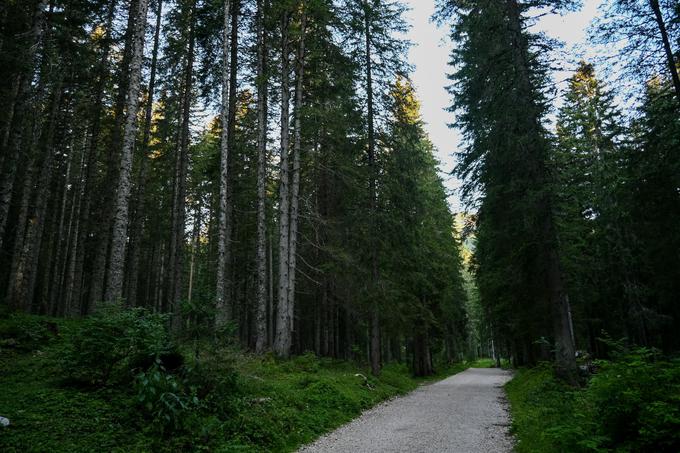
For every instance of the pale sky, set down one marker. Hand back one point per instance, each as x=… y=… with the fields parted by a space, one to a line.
x=430 y=55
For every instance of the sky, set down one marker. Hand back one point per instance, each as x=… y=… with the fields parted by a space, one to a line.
x=430 y=55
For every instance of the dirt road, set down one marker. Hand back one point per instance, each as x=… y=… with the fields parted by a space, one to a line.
x=464 y=413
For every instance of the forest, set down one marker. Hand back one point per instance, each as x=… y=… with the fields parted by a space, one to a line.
x=224 y=227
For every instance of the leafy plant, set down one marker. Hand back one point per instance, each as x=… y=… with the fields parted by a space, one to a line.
x=631 y=404
x=26 y=332
x=164 y=398
x=117 y=344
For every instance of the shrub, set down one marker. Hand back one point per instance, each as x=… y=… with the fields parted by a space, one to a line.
x=164 y=398
x=26 y=332
x=631 y=404
x=214 y=382
x=116 y=345
x=636 y=400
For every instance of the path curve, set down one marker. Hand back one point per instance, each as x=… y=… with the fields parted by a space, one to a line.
x=465 y=413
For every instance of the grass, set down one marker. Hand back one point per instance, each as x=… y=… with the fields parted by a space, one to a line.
x=273 y=405
x=539 y=405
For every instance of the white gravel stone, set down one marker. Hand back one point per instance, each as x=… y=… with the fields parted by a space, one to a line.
x=465 y=413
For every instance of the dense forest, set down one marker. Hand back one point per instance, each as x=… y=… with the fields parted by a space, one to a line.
x=577 y=203
x=255 y=168
x=257 y=174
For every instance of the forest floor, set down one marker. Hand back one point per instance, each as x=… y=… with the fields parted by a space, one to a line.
x=463 y=413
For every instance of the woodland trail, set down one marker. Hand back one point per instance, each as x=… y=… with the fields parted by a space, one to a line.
x=464 y=413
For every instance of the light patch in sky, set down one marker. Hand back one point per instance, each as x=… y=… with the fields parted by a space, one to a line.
x=430 y=56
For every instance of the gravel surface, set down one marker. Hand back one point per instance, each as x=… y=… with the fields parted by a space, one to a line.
x=464 y=413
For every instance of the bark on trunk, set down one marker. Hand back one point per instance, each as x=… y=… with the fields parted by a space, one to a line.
x=422 y=359
x=176 y=260
x=295 y=187
x=137 y=224
x=114 y=284
x=375 y=316
x=233 y=97
x=261 y=294
x=222 y=314
x=113 y=157
x=672 y=67
x=10 y=161
x=28 y=244
x=282 y=341
x=195 y=237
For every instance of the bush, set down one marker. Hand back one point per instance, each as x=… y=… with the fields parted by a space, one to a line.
x=164 y=398
x=636 y=400
x=632 y=404
x=182 y=401
x=115 y=345
x=214 y=382
x=26 y=332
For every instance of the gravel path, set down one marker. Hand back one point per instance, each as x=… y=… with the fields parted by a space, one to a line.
x=464 y=413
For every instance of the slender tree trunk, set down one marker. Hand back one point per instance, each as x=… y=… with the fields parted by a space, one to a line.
x=373 y=173
x=20 y=231
x=60 y=242
x=295 y=187
x=270 y=293
x=261 y=292
x=137 y=225
x=195 y=236
x=672 y=67
x=282 y=341
x=69 y=279
x=565 y=349
x=64 y=280
x=81 y=242
x=28 y=244
x=176 y=260
x=114 y=284
x=19 y=109
x=223 y=310
x=231 y=124
x=104 y=220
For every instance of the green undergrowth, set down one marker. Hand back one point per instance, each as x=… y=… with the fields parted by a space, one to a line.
x=114 y=384
x=489 y=363
x=630 y=404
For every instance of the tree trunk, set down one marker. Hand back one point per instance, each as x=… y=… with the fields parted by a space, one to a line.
x=61 y=242
x=222 y=313
x=231 y=124
x=176 y=259
x=28 y=242
x=672 y=67
x=10 y=161
x=282 y=341
x=422 y=359
x=295 y=187
x=137 y=224
x=113 y=157
x=261 y=294
x=195 y=243
x=270 y=293
x=80 y=244
x=114 y=284
x=375 y=316
x=64 y=283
